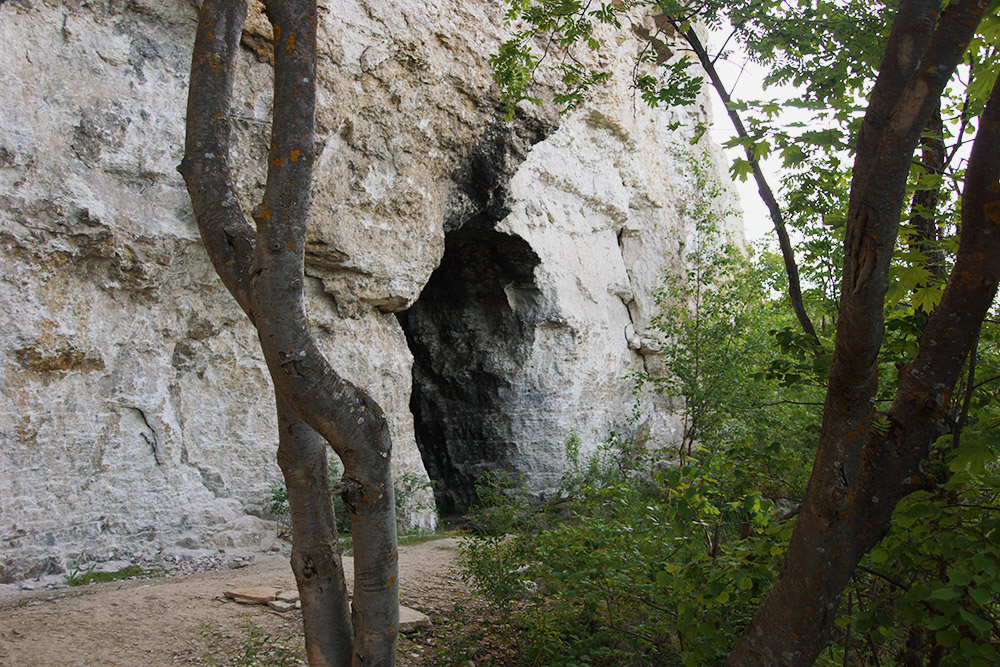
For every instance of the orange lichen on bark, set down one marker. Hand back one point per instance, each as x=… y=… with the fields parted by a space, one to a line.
x=992 y=212
x=295 y=155
x=291 y=44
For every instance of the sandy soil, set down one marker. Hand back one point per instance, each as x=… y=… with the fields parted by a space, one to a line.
x=184 y=620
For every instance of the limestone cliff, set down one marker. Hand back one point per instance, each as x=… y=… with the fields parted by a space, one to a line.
x=515 y=260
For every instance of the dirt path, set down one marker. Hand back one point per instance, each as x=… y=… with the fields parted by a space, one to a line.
x=182 y=620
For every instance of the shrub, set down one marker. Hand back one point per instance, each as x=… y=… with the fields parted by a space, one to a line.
x=625 y=571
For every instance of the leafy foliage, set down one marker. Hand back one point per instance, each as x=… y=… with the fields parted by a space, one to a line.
x=631 y=573
x=407 y=489
x=931 y=586
x=928 y=589
x=565 y=30
x=650 y=557
x=716 y=325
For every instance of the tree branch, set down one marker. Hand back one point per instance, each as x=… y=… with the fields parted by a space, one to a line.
x=924 y=204
x=766 y=194
x=225 y=231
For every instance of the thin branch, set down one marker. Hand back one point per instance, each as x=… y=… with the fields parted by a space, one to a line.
x=960 y=134
x=970 y=388
x=766 y=194
x=768 y=405
x=985 y=508
x=987 y=380
x=888 y=577
x=722 y=48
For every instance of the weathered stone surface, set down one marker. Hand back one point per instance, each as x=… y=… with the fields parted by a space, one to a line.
x=136 y=414
x=527 y=331
x=253 y=594
x=278 y=605
x=411 y=620
x=288 y=596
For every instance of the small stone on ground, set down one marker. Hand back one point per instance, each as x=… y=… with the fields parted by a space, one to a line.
x=278 y=605
x=287 y=596
x=253 y=594
x=411 y=619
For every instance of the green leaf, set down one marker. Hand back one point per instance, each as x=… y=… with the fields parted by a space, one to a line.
x=793 y=155
x=980 y=625
x=927 y=298
x=879 y=554
x=946 y=593
x=761 y=150
x=947 y=637
x=981 y=596
x=741 y=168
x=937 y=622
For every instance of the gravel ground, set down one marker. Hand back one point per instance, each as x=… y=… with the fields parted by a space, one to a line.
x=181 y=616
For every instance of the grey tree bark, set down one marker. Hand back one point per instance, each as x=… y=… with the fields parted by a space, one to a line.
x=262 y=265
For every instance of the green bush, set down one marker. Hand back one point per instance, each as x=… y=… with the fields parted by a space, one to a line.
x=628 y=572
x=660 y=556
x=90 y=576
x=406 y=489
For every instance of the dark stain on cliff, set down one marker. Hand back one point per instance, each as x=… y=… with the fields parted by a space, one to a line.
x=473 y=326
x=60 y=359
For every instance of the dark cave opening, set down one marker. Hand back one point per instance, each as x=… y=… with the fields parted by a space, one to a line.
x=472 y=327
x=470 y=332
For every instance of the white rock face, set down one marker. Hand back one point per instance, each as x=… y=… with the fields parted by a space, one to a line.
x=540 y=344
x=136 y=413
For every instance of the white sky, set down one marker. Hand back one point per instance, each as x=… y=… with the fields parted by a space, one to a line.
x=748 y=79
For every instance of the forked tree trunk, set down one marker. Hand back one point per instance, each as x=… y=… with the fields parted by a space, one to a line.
x=861 y=472
x=263 y=268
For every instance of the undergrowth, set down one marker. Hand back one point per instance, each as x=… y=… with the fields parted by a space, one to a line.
x=629 y=567
x=80 y=577
x=256 y=648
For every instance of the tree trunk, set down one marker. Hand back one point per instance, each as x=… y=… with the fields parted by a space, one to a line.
x=316 y=560
x=860 y=472
x=264 y=271
x=925 y=200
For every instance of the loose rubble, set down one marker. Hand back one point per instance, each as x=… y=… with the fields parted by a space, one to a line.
x=410 y=620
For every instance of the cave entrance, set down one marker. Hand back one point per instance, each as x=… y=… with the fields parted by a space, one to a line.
x=470 y=333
